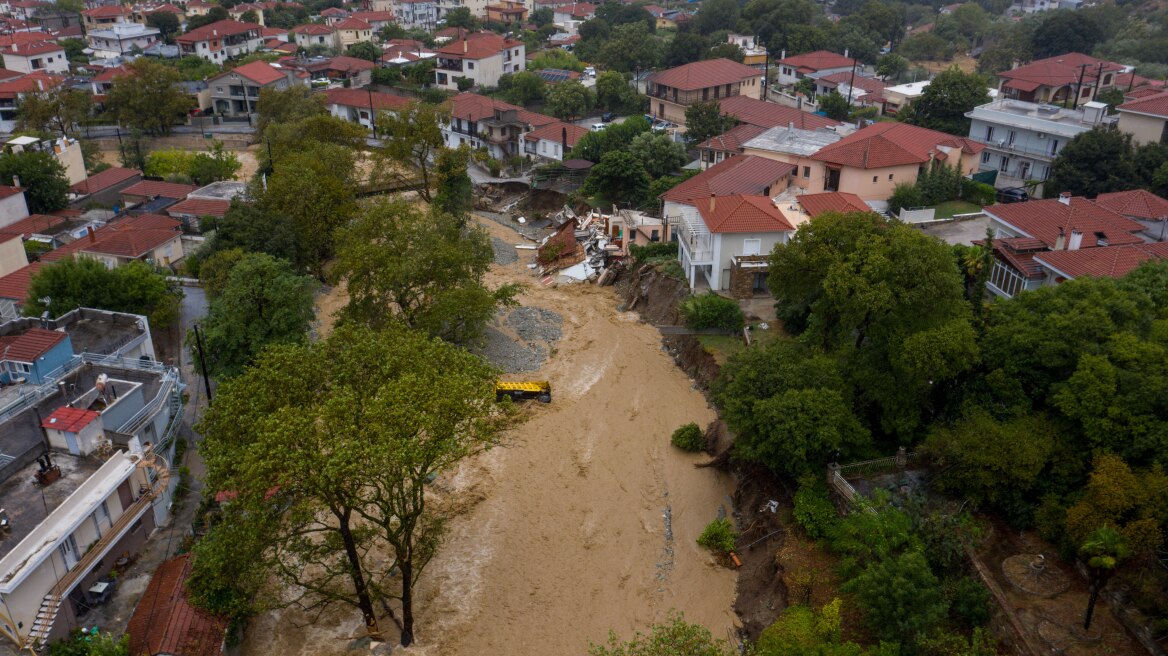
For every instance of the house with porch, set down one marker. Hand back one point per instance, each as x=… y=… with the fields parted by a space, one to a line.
x=812 y=65
x=672 y=91
x=1073 y=78
x=220 y=40
x=552 y=141
x=316 y=35
x=354 y=30
x=725 y=214
x=482 y=122
x=361 y=106
x=46 y=56
x=481 y=57
x=236 y=92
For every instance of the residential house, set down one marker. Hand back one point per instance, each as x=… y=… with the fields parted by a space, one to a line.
x=379 y=20
x=752 y=49
x=1024 y=231
x=1145 y=118
x=96 y=434
x=317 y=35
x=812 y=65
x=103 y=188
x=100 y=84
x=358 y=72
x=1071 y=78
x=399 y=52
x=13 y=89
x=747 y=224
x=1022 y=138
x=872 y=161
x=277 y=33
x=235 y=92
x=860 y=91
x=14 y=291
x=12 y=253
x=899 y=96
x=333 y=15
x=237 y=12
x=481 y=57
x=1108 y=262
x=148 y=191
x=672 y=91
x=799 y=208
x=795 y=146
x=508 y=13
x=378 y=5
x=448 y=34
x=552 y=141
x=106 y=15
x=482 y=122
x=66 y=150
x=145 y=237
x=165 y=623
x=141 y=13
x=416 y=14
x=197 y=8
x=212 y=200
x=13 y=207
x=569 y=16
x=361 y=106
x=220 y=40
x=46 y=56
x=1136 y=204
x=746 y=109
x=354 y=30
x=121 y=39
x=715 y=149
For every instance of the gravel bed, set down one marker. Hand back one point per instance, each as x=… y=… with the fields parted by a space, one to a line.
x=535 y=324
x=509 y=355
x=504 y=252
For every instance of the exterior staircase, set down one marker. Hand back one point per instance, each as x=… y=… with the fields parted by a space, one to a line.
x=42 y=626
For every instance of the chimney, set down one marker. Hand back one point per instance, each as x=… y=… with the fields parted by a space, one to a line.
x=1061 y=241
x=464 y=46
x=790 y=128
x=16 y=181
x=713 y=202
x=1076 y=241
x=783 y=54
x=1065 y=198
x=92 y=235
x=845 y=53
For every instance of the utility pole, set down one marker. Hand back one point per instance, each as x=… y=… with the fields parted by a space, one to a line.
x=852 y=83
x=1098 y=80
x=1079 y=86
x=766 y=76
x=372 y=109
x=203 y=362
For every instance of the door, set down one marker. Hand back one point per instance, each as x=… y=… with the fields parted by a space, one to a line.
x=69 y=552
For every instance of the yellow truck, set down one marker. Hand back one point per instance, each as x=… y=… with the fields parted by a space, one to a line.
x=539 y=390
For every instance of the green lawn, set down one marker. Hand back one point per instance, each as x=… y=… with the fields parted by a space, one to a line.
x=723 y=346
x=947 y=209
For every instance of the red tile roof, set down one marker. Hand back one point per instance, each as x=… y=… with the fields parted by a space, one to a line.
x=473 y=107
x=747 y=175
x=479 y=45
x=107 y=11
x=1155 y=105
x=770 y=115
x=374 y=16
x=129 y=243
x=333 y=11
x=148 y=222
x=869 y=84
x=832 y=201
x=14 y=286
x=731 y=141
x=313 y=29
x=344 y=64
x=273 y=32
x=199 y=207
x=1137 y=204
x=104 y=180
x=259 y=71
x=164 y=622
x=33 y=48
x=7 y=191
x=29 y=345
x=451 y=33
x=155 y=188
x=109 y=74
x=70 y=420
x=1057 y=71
x=225 y=27
x=738 y=213
x=360 y=98
x=353 y=24
x=1042 y=219
x=33 y=82
x=35 y=224
x=704 y=74
x=1109 y=261
x=555 y=132
x=817 y=61
x=1019 y=253
x=892 y=144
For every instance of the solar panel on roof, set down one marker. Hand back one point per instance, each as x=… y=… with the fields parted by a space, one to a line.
x=554 y=75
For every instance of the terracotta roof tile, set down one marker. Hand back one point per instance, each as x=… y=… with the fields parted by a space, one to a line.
x=747 y=175
x=133 y=244
x=199 y=207
x=1137 y=203
x=360 y=98
x=479 y=45
x=892 y=144
x=1042 y=219
x=225 y=27
x=818 y=61
x=555 y=132
x=164 y=622
x=104 y=180
x=739 y=213
x=770 y=115
x=473 y=107
x=29 y=345
x=33 y=48
x=1108 y=261
x=731 y=141
x=832 y=201
x=14 y=286
x=156 y=188
x=37 y=224
x=353 y=24
x=704 y=74
x=314 y=29
x=260 y=72
x=1057 y=71
x=1154 y=104
x=70 y=420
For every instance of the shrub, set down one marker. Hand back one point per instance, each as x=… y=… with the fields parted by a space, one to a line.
x=653 y=250
x=813 y=510
x=710 y=310
x=969 y=602
x=719 y=536
x=494 y=167
x=689 y=438
x=978 y=193
x=904 y=194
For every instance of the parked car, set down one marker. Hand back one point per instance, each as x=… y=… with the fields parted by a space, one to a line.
x=597 y=127
x=1013 y=195
x=608 y=117
x=590 y=71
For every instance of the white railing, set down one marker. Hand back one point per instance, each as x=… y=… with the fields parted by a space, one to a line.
x=131 y=425
x=35 y=394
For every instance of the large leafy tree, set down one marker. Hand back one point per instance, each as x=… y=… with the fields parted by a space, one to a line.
x=41 y=176
x=715 y=15
x=263 y=301
x=901 y=597
x=658 y=153
x=704 y=120
x=522 y=88
x=422 y=269
x=328 y=448
x=455 y=193
x=412 y=137
x=620 y=178
x=835 y=106
x=290 y=105
x=614 y=93
x=165 y=22
x=149 y=98
x=1131 y=501
x=570 y=100
x=1094 y=162
x=59 y=110
x=630 y=47
x=673 y=636
x=684 y=48
x=84 y=282
x=943 y=104
x=595 y=145
x=1066 y=31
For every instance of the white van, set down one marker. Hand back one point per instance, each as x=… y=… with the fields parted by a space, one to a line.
x=597 y=127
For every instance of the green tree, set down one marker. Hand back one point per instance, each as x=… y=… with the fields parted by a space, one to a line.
x=835 y=106
x=214 y=271
x=424 y=270
x=619 y=177
x=149 y=98
x=455 y=193
x=704 y=120
x=1094 y=162
x=729 y=51
x=926 y=46
x=943 y=104
x=631 y=47
x=249 y=16
x=290 y=105
x=614 y=93
x=462 y=17
x=165 y=22
x=522 y=88
x=41 y=176
x=905 y=195
x=263 y=301
x=343 y=437
x=1103 y=552
x=675 y=636
x=900 y=598
x=715 y=15
x=90 y=644
x=1065 y=31
x=569 y=100
x=556 y=58
x=542 y=16
x=595 y=145
x=412 y=136
x=84 y=282
x=684 y=48
x=59 y=110
x=658 y=153
x=364 y=50
x=251 y=228
x=214 y=165
x=891 y=66
x=1132 y=502
x=803 y=631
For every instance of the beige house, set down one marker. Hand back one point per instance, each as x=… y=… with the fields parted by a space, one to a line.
x=671 y=92
x=1146 y=118
x=12 y=205
x=795 y=146
x=354 y=30
x=12 y=255
x=314 y=34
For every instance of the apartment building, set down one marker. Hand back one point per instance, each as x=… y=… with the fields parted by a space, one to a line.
x=481 y=57
x=221 y=39
x=85 y=464
x=121 y=39
x=416 y=14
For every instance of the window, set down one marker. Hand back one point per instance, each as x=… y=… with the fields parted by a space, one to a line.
x=470 y=66
x=806 y=171
x=1054 y=147
x=1107 y=79
x=889 y=176
x=1041 y=135
x=874 y=178
x=22 y=367
x=989 y=133
x=985 y=157
x=1004 y=164
x=1011 y=139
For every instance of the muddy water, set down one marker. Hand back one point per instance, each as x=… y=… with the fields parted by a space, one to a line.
x=583 y=524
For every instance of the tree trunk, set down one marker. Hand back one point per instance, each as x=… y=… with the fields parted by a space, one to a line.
x=364 y=602
x=1096 y=588
x=407 y=599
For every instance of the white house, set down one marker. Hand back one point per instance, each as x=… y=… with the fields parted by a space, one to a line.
x=482 y=122
x=315 y=34
x=120 y=39
x=43 y=56
x=12 y=205
x=222 y=39
x=355 y=105
x=552 y=141
x=481 y=57
x=416 y=14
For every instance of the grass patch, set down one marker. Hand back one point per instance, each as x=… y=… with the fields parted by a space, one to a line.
x=949 y=208
x=723 y=346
